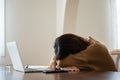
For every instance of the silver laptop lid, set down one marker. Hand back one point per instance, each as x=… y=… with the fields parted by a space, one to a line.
x=14 y=55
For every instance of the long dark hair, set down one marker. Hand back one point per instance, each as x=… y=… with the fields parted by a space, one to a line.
x=69 y=44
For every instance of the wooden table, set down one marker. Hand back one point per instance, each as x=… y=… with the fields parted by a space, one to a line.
x=6 y=74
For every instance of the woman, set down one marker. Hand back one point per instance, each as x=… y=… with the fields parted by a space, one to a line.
x=76 y=53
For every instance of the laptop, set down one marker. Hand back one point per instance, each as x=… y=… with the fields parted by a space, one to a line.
x=18 y=65
x=17 y=62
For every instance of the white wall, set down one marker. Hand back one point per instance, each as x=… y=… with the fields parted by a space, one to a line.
x=32 y=23
x=89 y=18
x=60 y=8
x=70 y=16
x=93 y=19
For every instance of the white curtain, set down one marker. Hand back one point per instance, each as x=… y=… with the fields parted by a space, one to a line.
x=115 y=22
x=118 y=22
x=2 y=27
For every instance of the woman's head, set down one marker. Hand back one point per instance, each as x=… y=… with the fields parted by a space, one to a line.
x=69 y=44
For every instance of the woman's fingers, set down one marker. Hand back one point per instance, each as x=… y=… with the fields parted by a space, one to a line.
x=71 y=69
x=53 y=63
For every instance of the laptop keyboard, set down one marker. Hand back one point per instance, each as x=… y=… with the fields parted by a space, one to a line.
x=32 y=70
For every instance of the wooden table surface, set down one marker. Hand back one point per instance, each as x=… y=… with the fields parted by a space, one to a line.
x=6 y=74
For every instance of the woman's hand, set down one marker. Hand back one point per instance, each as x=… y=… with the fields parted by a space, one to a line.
x=53 y=63
x=71 y=69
